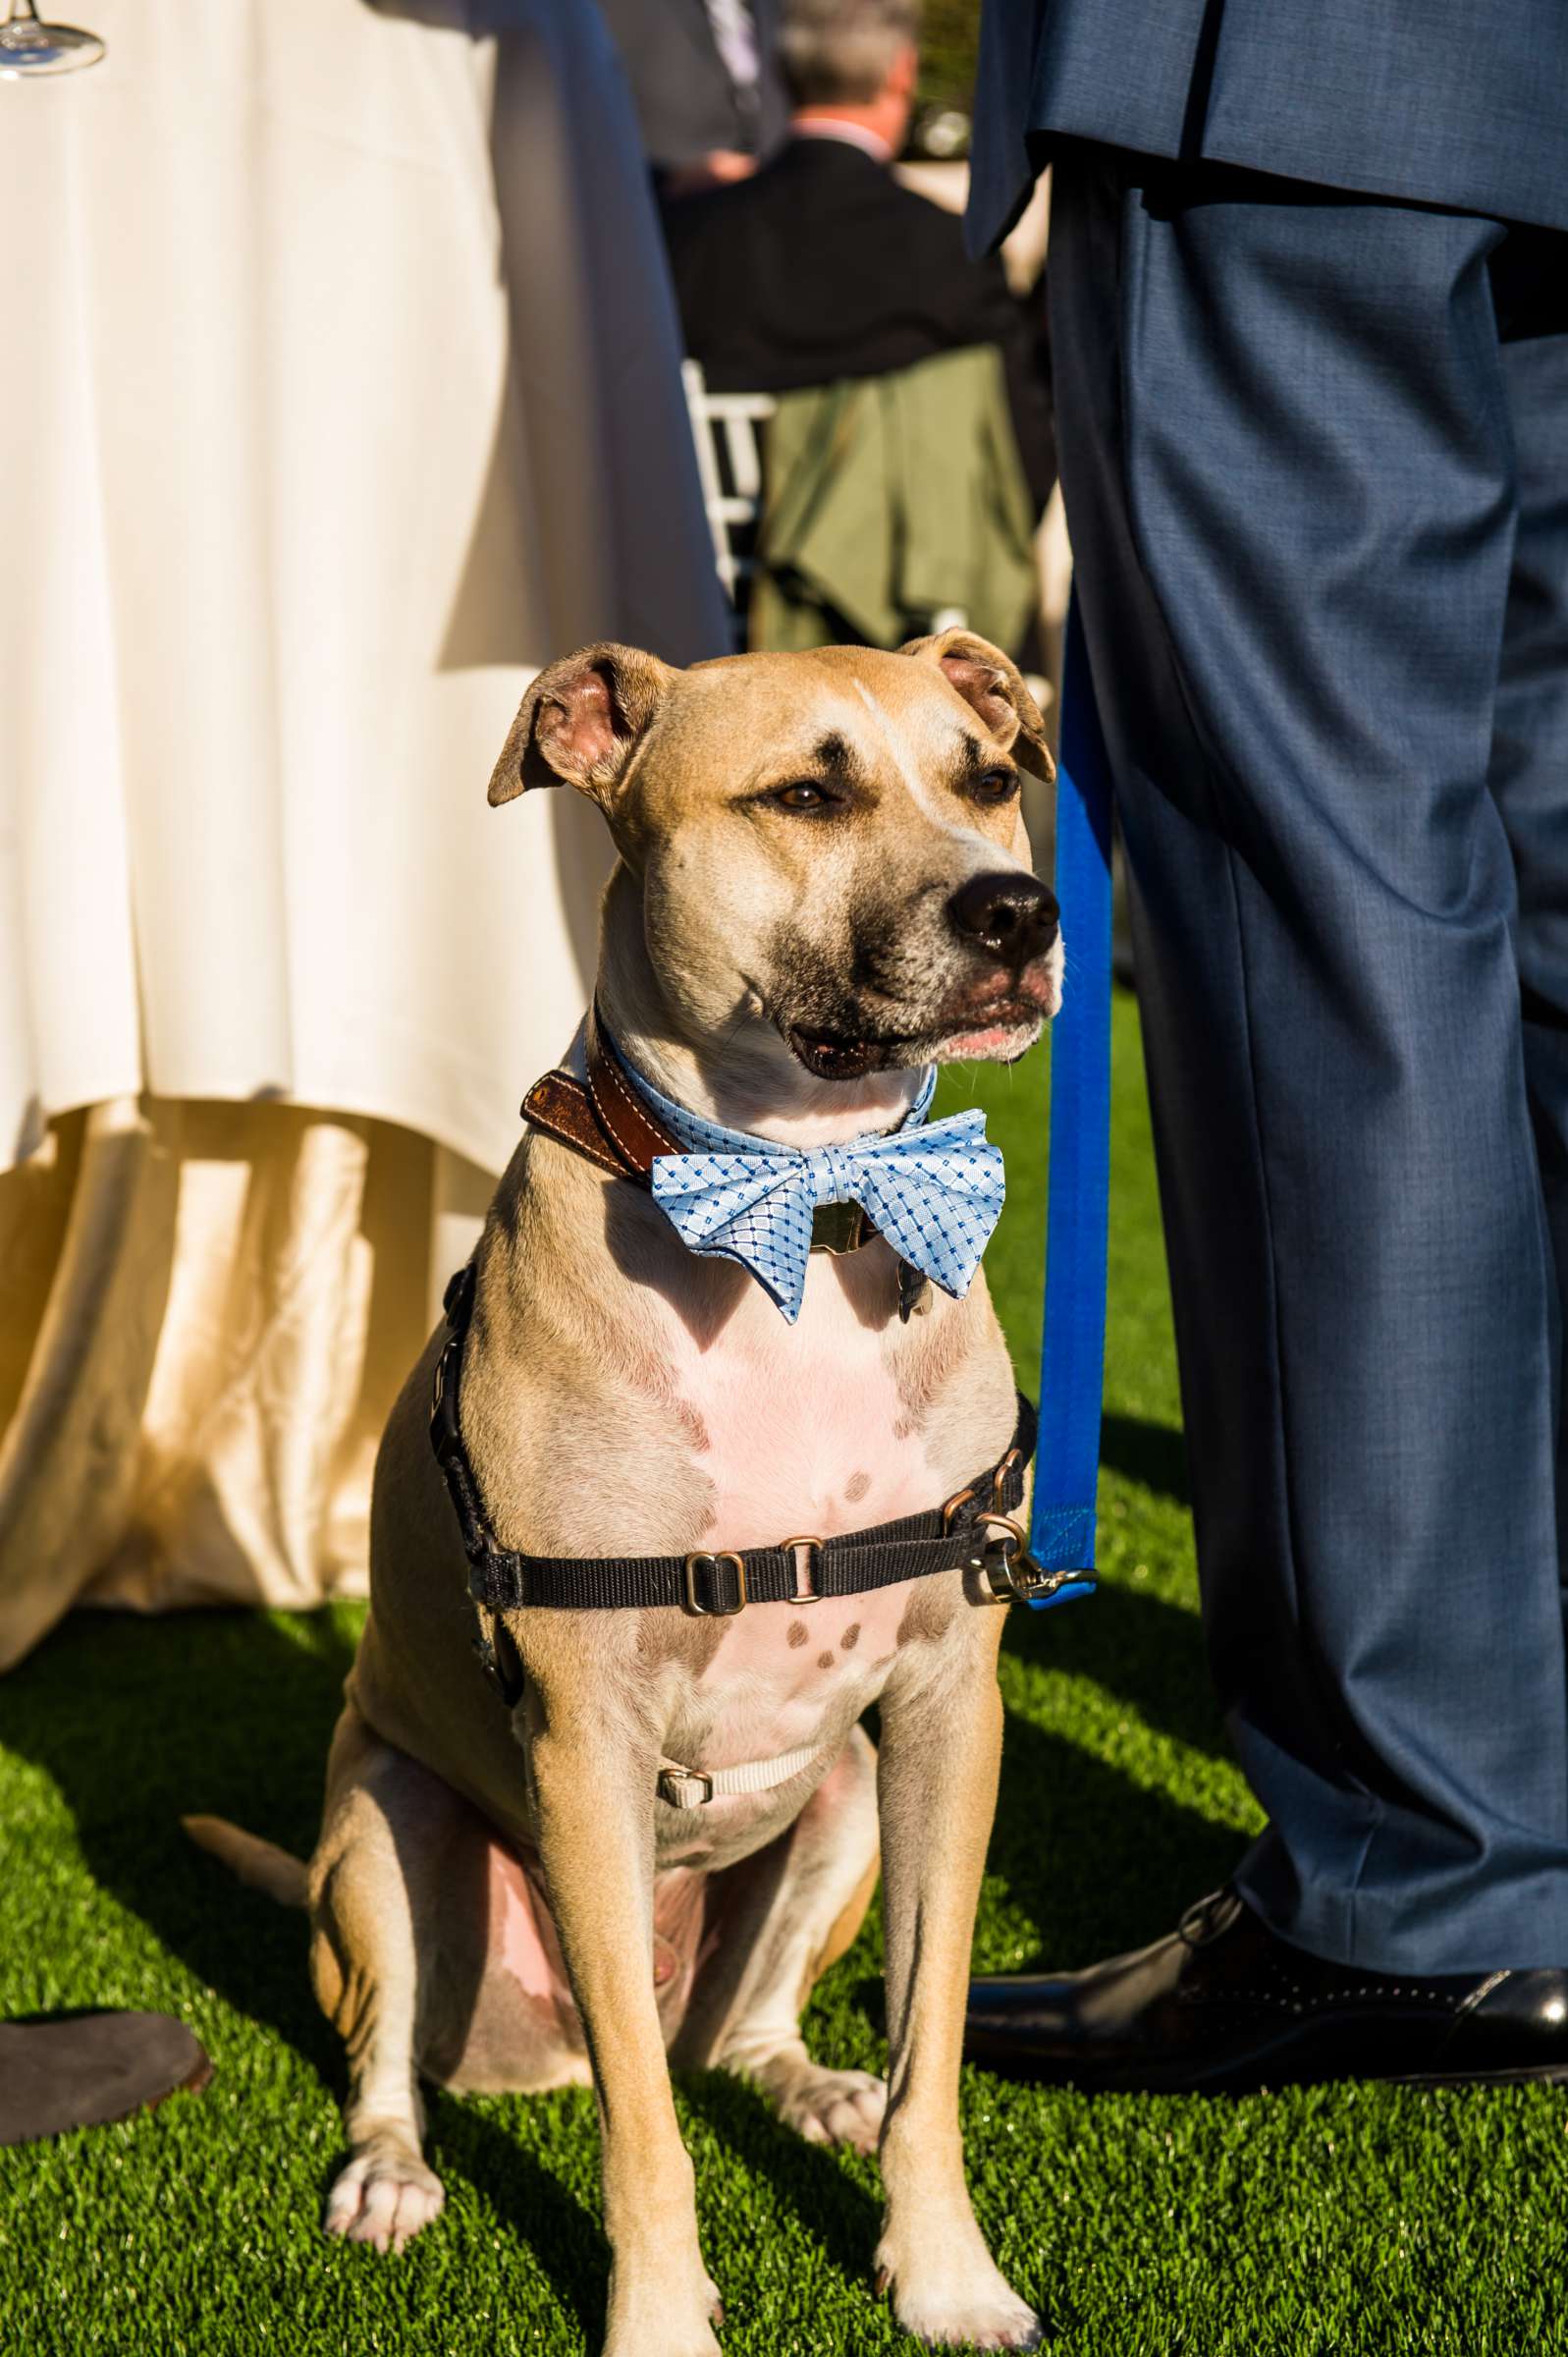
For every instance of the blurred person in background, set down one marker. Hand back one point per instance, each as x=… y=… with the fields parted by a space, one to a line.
x=897 y=392
x=821 y=267
x=706 y=84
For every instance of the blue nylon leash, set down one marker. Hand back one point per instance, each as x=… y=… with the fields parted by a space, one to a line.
x=1072 y=1350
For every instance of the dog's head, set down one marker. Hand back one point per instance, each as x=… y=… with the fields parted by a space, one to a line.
x=828 y=841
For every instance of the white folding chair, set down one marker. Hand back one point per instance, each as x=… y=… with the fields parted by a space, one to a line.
x=723 y=432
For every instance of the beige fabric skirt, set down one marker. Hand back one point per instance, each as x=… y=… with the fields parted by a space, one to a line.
x=206 y=1311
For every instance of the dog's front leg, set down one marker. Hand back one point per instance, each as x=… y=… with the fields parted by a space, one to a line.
x=940 y=1755
x=593 y=1780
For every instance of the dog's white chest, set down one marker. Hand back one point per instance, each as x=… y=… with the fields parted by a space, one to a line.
x=807 y=1436
x=806 y=1431
x=781 y=1671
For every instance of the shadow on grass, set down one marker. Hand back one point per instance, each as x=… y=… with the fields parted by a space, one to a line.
x=1155 y=1455
x=1137 y=1646
x=838 y=2213
x=1100 y=1863
x=468 y=2139
x=139 y=1722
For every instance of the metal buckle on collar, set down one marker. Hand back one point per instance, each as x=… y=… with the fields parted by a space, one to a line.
x=837 y=1228
x=702 y=1566
x=804 y=1551
x=685 y=1787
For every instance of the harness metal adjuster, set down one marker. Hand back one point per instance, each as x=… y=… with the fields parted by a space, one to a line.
x=999 y=1480
x=489 y=1661
x=704 y=1564
x=685 y=1787
x=954 y=1506
x=442 y=1418
x=804 y=1551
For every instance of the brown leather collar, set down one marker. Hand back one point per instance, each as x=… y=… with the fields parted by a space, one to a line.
x=601 y=1116
x=605 y=1118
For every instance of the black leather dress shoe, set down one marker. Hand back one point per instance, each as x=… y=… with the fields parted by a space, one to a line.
x=1224 y=2005
x=81 y=2070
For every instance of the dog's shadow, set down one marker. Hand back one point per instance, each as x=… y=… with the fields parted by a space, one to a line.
x=808 y=2179
x=470 y=2138
x=141 y=1721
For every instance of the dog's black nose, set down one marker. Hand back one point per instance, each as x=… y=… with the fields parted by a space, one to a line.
x=1011 y=916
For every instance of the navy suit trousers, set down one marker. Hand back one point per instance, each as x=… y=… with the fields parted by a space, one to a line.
x=1315 y=451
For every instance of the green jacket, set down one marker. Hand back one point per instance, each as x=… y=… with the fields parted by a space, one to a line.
x=892 y=500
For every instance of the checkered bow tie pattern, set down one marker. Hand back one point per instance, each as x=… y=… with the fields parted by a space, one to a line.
x=934 y=1189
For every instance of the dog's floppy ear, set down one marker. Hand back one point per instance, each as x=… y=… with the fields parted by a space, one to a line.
x=580 y=720
x=986 y=678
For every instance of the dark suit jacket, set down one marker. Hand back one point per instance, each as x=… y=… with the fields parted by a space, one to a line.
x=1459 y=103
x=686 y=103
x=821 y=267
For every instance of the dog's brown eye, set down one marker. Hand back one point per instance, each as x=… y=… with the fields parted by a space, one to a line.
x=995 y=785
x=802 y=796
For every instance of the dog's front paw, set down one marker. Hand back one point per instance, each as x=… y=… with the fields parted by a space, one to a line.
x=658 y=2323
x=383 y=2197
x=971 y=2305
x=663 y=2339
x=833 y=2107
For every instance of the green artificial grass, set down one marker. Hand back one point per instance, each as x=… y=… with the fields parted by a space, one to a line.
x=1362 y=2221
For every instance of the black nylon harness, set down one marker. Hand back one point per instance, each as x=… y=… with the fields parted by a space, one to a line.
x=970 y=1528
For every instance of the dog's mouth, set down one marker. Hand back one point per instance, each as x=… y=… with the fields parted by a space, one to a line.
x=1000 y=1028
x=836 y=1056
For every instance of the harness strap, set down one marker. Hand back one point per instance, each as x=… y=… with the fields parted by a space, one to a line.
x=694 y=1788
x=971 y=1529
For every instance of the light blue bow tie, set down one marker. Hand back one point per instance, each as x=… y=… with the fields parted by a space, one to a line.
x=932 y=1189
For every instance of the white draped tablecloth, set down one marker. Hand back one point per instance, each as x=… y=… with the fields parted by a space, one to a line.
x=341 y=391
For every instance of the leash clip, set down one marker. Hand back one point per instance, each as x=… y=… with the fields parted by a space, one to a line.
x=1003 y=1562
x=1010 y=1572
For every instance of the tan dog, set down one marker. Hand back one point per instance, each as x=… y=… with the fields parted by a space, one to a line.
x=823 y=885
